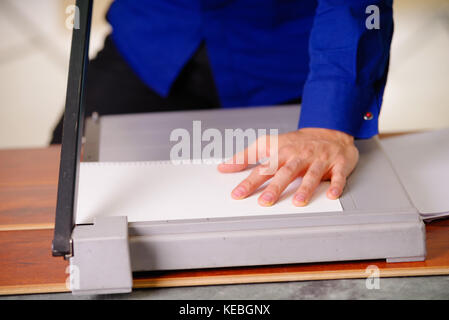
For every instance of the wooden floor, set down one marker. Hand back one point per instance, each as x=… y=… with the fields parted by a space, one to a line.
x=28 y=184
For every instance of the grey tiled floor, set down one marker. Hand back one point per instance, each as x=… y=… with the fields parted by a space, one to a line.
x=435 y=287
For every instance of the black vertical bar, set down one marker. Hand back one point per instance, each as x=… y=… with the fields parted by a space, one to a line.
x=72 y=130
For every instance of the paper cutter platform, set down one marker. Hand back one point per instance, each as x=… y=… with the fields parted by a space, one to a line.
x=378 y=220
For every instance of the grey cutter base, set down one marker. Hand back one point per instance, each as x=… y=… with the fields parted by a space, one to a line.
x=102 y=264
x=378 y=220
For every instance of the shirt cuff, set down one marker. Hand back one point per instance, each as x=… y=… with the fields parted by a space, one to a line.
x=340 y=105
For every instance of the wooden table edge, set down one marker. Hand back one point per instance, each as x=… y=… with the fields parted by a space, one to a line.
x=284 y=277
x=33 y=289
x=27 y=227
x=235 y=279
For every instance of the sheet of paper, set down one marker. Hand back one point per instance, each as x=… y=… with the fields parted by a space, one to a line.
x=421 y=161
x=159 y=191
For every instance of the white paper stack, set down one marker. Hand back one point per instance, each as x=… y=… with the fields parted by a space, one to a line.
x=421 y=161
x=160 y=191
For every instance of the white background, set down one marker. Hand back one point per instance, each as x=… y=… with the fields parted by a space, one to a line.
x=34 y=53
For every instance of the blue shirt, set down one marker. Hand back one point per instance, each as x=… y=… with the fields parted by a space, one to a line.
x=264 y=52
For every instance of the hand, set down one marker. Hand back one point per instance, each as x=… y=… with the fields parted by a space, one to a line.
x=312 y=153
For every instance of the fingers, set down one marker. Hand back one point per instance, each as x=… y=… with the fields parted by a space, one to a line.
x=309 y=183
x=251 y=155
x=250 y=184
x=238 y=162
x=283 y=177
x=338 y=181
x=264 y=172
x=318 y=154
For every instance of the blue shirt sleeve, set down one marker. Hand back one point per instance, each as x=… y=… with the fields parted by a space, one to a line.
x=348 y=67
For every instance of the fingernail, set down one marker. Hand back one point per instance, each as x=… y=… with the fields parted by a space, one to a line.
x=335 y=192
x=267 y=199
x=299 y=200
x=239 y=192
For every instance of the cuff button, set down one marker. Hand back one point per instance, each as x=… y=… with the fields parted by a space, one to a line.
x=368 y=116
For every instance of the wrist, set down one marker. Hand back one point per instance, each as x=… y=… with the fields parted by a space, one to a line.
x=329 y=134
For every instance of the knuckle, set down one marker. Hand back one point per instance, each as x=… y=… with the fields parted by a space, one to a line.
x=247 y=184
x=339 y=178
x=320 y=165
x=287 y=171
x=307 y=152
x=274 y=188
x=324 y=156
x=314 y=174
x=261 y=169
x=283 y=174
x=305 y=189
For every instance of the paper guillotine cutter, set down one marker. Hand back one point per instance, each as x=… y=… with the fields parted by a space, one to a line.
x=378 y=220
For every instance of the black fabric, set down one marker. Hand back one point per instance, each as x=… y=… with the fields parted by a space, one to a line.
x=114 y=88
